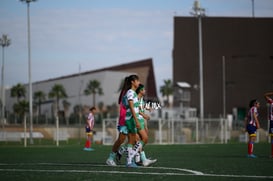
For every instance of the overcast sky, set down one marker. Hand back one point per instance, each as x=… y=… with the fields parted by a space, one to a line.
x=93 y=34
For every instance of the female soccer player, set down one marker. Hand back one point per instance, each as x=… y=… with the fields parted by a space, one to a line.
x=116 y=153
x=143 y=130
x=270 y=117
x=88 y=129
x=132 y=122
x=121 y=127
x=252 y=124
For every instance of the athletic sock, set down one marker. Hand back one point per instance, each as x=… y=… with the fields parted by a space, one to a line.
x=271 y=147
x=138 y=146
x=137 y=157
x=112 y=155
x=250 y=147
x=87 y=144
x=130 y=155
x=143 y=156
x=122 y=150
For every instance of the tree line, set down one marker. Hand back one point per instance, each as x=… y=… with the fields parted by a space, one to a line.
x=55 y=95
x=58 y=93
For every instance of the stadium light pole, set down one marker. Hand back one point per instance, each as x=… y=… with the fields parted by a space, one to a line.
x=224 y=85
x=4 y=42
x=253 y=9
x=199 y=12
x=29 y=71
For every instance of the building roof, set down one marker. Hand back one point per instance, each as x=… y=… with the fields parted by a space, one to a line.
x=143 y=68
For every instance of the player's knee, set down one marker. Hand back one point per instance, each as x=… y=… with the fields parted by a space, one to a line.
x=145 y=139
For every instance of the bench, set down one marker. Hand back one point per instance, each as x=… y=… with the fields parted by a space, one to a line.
x=17 y=136
x=63 y=135
x=10 y=136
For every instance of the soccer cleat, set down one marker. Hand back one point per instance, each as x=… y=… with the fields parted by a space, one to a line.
x=88 y=149
x=154 y=160
x=118 y=157
x=132 y=165
x=148 y=162
x=110 y=162
x=139 y=163
x=251 y=156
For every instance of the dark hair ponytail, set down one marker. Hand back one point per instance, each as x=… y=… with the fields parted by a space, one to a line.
x=122 y=92
x=127 y=85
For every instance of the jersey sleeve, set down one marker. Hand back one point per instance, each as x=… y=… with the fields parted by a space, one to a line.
x=130 y=95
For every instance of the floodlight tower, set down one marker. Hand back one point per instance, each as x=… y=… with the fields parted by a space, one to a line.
x=29 y=72
x=199 y=12
x=4 y=42
x=253 y=8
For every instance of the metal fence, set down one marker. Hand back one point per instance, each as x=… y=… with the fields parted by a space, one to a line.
x=174 y=131
x=161 y=131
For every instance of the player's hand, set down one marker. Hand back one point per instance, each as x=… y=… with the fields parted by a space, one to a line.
x=137 y=124
x=146 y=117
x=258 y=126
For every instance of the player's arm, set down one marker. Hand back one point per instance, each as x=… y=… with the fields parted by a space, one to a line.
x=256 y=120
x=148 y=109
x=88 y=122
x=145 y=116
x=267 y=95
x=92 y=122
x=131 y=106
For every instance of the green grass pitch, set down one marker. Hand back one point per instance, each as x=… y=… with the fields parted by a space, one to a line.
x=205 y=162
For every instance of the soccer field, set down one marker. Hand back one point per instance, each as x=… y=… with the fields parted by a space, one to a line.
x=208 y=162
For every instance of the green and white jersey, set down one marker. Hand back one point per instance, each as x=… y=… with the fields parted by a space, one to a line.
x=141 y=107
x=131 y=95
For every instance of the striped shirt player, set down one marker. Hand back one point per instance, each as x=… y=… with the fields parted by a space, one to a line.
x=252 y=124
x=90 y=121
x=270 y=117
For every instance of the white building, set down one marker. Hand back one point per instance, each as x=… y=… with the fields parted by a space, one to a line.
x=110 y=80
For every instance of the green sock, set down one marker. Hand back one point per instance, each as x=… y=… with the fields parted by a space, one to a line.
x=112 y=155
x=143 y=156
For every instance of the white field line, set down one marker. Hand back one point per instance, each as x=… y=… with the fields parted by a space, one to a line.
x=190 y=172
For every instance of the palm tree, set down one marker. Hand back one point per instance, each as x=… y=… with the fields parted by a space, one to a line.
x=77 y=110
x=66 y=106
x=58 y=92
x=167 y=90
x=93 y=87
x=39 y=97
x=21 y=107
x=18 y=91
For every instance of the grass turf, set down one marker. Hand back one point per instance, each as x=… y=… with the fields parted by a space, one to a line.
x=175 y=162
